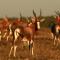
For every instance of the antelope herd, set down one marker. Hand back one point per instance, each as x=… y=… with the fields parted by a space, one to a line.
x=18 y=28
x=12 y=30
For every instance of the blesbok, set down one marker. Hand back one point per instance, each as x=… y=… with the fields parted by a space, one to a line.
x=5 y=24
x=10 y=33
x=38 y=20
x=15 y=37
x=27 y=32
x=55 y=29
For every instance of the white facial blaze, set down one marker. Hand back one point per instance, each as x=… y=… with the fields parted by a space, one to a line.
x=38 y=25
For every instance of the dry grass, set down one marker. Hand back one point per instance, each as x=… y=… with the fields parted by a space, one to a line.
x=43 y=49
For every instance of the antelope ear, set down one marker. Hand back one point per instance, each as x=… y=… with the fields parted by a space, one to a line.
x=42 y=20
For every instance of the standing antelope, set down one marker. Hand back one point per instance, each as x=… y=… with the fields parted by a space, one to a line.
x=56 y=32
x=10 y=32
x=16 y=35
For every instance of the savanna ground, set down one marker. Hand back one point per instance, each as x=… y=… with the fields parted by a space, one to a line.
x=43 y=49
